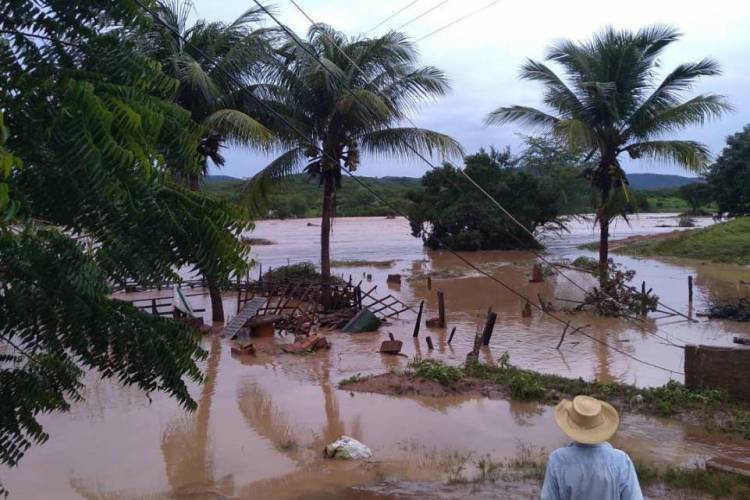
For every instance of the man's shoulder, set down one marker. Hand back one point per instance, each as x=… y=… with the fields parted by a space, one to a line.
x=575 y=452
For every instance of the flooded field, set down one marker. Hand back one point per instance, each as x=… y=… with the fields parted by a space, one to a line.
x=262 y=422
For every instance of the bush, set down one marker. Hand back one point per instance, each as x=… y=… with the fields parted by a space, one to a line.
x=436 y=370
x=525 y=386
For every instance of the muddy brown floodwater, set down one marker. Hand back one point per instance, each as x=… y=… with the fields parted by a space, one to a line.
x=262 y=422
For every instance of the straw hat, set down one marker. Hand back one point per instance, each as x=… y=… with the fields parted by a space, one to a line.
x=587 y=420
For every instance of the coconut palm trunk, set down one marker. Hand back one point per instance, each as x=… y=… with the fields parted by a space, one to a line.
x=329 y=206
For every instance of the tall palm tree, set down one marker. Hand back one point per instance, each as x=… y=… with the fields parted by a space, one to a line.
x=609 y=102
x=354 y=105
x=208 y=67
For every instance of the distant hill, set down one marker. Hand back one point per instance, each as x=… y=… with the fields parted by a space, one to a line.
x=210 y=179
x=659 y=181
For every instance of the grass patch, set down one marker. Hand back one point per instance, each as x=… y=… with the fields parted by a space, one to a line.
x=358 y=377
x=725 y=242
x=363 y=263
x=713 y=483
x=713 y=408
x=435 y=370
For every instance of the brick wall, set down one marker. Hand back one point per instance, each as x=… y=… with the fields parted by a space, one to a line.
x=720 y=368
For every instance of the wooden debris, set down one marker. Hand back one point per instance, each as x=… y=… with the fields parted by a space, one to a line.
x=536 y=274
x=741 y=340
x=391 y=346
x=450 y=339
x=243 y=349
x=394 y=278
x=429 y=343
x=489 y=325
x=307 y=344
x=419 y=319
x=526 y=312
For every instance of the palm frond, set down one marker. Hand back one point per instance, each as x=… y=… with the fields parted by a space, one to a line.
x=668 y=92
x=406 y=142
x=696 y=111
x=239 y=128
x=557 y=94
x=523 y=115
x=195 y=77
x=255 y=192
x=693 y=156
x=576 y=134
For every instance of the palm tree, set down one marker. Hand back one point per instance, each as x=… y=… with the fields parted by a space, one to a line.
x=609 y=102
x=208 y=67
x=354 y=105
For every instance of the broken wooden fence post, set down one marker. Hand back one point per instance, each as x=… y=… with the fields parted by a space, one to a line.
x=536 y=274
x=562 y=337
x=488 y=326
x=526 y=312
x=154 y=310
x=690 y=289
x=441 y=309
x=390 y=336
x=429 y=283
x=419 y=319
x=429 y=343
x=451 y=335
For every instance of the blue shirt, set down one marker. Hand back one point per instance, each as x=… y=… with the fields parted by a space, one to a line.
x=590 y=472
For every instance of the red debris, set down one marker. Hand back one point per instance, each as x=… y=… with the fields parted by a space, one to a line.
x=241 y=349
x=307 y=344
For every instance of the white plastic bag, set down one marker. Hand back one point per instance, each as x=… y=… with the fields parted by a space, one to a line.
x=347 y=448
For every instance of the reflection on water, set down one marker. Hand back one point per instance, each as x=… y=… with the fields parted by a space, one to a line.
x=262 y=422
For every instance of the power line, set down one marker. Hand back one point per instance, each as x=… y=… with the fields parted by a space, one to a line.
x=420 y=16
x=458 y=20
x=390 y=17
x=466 y=175
x=369 y=188
x=396 y=210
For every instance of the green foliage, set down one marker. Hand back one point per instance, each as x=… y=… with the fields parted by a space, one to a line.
x=725 y=242
x=696 y=195
x=524 y=386
x=451 y=210
x=729 y=176
x=713 y=483
x=301 y=196
x=93 y=139
x=356 y=111
x=357 y=377
x=599 y=105
x=436 y=370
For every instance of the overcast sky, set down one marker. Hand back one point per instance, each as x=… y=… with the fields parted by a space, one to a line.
x=482 y=54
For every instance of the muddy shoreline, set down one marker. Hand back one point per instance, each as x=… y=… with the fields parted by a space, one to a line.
x=710 y=409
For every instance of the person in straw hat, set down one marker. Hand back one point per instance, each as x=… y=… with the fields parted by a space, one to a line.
x=590 y=468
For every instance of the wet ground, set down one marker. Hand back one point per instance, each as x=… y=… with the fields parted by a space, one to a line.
x=262 y=422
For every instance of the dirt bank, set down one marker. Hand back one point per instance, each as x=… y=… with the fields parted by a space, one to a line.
x=709 y=408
